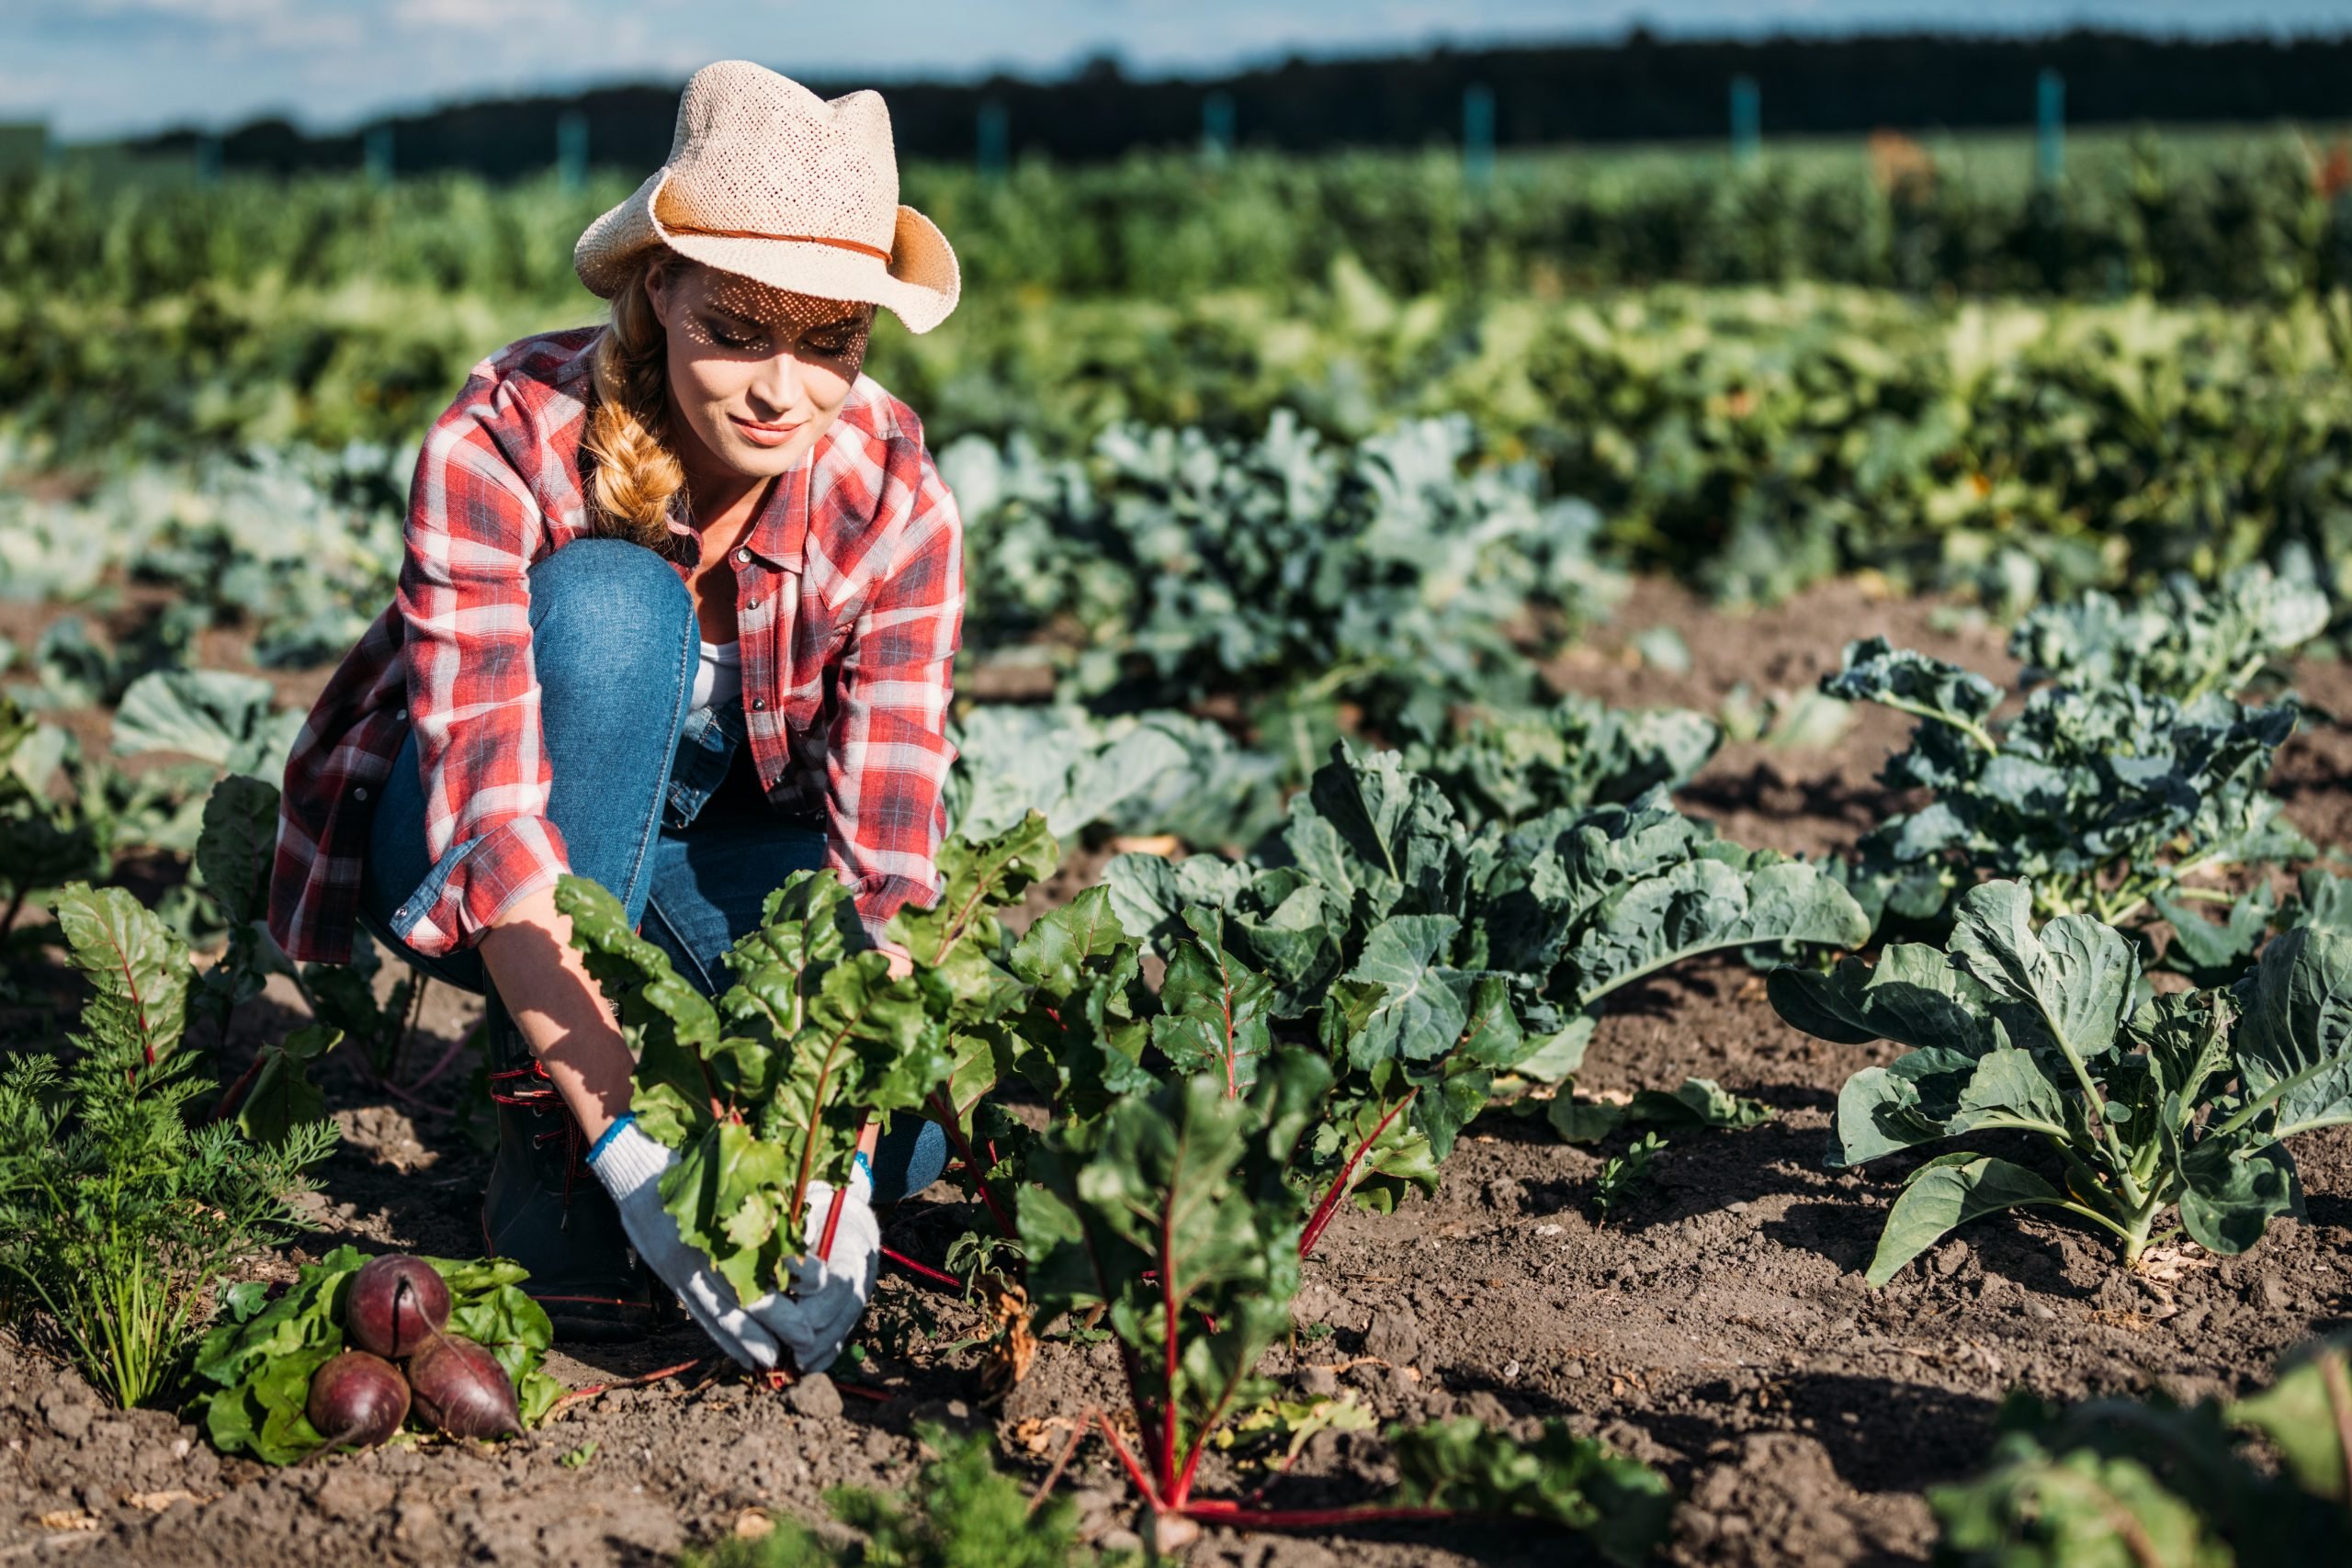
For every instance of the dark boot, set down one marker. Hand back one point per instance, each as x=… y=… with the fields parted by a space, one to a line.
x=546 y=1210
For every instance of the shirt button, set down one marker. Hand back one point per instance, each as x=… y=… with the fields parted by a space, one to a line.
x=742 y=555
x=359 y=792
x=759 y=703
x=750 y=603
x=404 y=715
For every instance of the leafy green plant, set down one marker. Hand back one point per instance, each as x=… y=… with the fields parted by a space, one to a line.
x=258 y=1364
x=2105 y=796
x=1508 y=766
x=962 y=1512
x=2145 y=1483
x=2149 y=1102
x=44 y=842
x=121 y=1208
x=1698 y=1102
x=233 y=855
x=766 y=1087
x=1172 y=1216
x=1422 y=958
x=2182 y=639
x=1622 y=1176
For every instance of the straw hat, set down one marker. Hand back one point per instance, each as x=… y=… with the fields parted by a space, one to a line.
x=767 y=180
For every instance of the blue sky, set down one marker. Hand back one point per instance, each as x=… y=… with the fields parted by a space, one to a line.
x=95 y=68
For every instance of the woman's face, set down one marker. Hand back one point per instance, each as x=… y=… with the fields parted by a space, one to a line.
x=756 y=373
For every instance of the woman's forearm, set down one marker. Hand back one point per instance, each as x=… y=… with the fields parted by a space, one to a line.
x=561 y=1013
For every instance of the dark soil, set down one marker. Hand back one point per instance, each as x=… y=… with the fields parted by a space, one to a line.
x=1717 y=1326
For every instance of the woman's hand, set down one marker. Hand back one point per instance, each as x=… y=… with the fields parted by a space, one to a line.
x=902 y=963
x=631 y=1166
x=829 y=1293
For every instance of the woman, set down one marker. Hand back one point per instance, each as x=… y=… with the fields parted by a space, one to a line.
x=679 y=613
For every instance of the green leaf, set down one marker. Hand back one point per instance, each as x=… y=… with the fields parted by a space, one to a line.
x=2229 y=1195
x=1698 y=1102
x=2306 y=1413
x=2294 y=1040
x=2038 y=1509
x=239 y=841
x=281 y=1096
x=1624 y=1508
x=1914 y=996
x=1216 y=1008
x=1948 y=1192
x=2076 y=976
x=138 y=971
x=1702 y=904
x=1410 y=1004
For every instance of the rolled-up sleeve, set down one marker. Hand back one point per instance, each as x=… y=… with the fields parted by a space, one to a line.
x=473 y=696
x=887 y=754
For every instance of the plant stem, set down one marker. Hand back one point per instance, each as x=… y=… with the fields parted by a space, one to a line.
x=924 y=1270
x=951 y=1124
x=1968 y=726
x=1330 y=1206
x=1237 y=1517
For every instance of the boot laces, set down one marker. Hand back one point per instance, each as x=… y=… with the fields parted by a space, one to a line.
x=528 y=1087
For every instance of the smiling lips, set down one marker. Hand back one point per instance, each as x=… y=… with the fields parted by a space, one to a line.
x=766 y=435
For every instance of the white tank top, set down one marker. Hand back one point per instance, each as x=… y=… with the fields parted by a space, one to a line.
x=718 y=676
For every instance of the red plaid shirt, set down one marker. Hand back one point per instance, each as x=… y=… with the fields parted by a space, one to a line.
x=850 y=598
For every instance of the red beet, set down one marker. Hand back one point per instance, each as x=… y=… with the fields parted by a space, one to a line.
x=462 y=1390
x=395 y=1304
x=357 y=1399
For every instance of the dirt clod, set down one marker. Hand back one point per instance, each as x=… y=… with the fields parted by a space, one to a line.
x=814 y=1395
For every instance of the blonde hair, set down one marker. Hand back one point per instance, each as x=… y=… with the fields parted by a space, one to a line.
x=637 y=474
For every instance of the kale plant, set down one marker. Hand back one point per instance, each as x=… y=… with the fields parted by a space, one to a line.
x=2148 y=1104
x=2135 y=1483
x=121 y=1204
x=2105 y=796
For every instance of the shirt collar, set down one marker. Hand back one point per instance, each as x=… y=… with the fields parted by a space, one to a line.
x=780 y=536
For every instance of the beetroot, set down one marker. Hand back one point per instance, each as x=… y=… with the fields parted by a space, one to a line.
x=395 y=1304
x=357 y=1399
x=462 y=1390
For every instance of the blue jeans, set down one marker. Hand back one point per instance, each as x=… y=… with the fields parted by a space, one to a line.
x=641 y=791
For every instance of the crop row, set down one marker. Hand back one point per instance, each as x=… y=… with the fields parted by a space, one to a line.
x=2256 y=217
x=1336 y=1006
x=1748 y=442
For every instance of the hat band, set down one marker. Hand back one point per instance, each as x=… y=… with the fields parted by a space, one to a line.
x=859 y=246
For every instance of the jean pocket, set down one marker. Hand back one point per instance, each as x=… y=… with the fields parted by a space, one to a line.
x=705 y=751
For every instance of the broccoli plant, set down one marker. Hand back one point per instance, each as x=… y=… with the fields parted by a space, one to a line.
x=2148 y=1102
x=1422 y=958
x=2107 y=795
x=2184 y=640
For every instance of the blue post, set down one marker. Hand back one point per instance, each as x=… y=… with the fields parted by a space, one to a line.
x=1217 y=128
x=378 y=144
x=1478 y=135
x=572 y=151
x=2050 y=127
x=207 y=160
x=1746 y=122
x=995 y=139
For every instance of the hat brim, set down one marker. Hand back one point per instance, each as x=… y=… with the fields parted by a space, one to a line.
x=920 y=284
